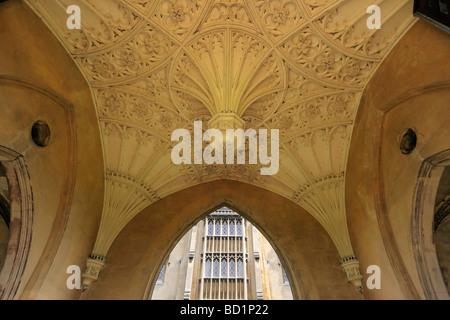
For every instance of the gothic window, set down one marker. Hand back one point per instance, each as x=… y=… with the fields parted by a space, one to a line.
x=217 y=227
x=216 y=268
x=208 y=268
x=224 y=228
x=223 y=268
x=240 y=268
x=210 y=227
x=232 y=268
x=224 y=273
x=239 y=228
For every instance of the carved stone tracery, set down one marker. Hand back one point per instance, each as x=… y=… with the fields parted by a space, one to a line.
x=296 y=66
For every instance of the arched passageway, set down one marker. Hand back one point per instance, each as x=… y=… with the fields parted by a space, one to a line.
x=223 y=257
x=307 y=252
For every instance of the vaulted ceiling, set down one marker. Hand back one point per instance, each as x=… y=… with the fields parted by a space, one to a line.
x=158 y=65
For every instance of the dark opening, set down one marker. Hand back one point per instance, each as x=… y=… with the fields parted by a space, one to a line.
x=40 y=133
x=5 y=214
x=408 y=142
x=442 y=226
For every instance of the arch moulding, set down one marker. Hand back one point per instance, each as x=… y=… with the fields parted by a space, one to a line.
x=20 y=229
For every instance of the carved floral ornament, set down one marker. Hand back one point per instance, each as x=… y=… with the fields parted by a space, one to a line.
x=296 y=66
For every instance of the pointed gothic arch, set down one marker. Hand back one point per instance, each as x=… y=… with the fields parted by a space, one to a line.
x=303 y=246
x=20 y=222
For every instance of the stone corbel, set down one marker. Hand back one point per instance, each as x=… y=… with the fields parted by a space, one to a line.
x=351 y=267
x=94 y=264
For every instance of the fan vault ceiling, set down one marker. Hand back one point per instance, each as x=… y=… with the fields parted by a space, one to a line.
x=156 y=66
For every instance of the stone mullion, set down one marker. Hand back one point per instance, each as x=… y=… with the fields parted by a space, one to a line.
x=244 y=260
x=220 y=258
x=235 y=260
x=205 y=240
x=228 y=260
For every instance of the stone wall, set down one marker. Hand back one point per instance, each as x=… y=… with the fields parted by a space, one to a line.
x=39 y=81
x=410 y=90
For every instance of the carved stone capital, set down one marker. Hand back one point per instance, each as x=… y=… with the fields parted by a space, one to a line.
x=94 y=265
x=351 y=267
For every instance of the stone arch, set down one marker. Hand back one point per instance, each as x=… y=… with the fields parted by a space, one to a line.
x=380 y=179
x=422 y=230
x=151 y=285
x=20 y=228
x=137 y=253
x=40 y=82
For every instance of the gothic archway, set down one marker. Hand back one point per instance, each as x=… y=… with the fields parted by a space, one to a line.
x=21 y=215
x=250 y=268
x=139 y=250
x=422 y=226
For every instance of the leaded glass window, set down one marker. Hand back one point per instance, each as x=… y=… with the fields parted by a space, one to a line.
x=223 y=268
x=224 y=254
x=240 y=268
x=239 y=228
x=210 y=227
x=216 y=268
x=208 y=268
x=232 y=268
x=224 y=228
x=217 y=227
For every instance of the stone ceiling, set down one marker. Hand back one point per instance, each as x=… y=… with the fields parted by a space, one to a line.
x=158 y=65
